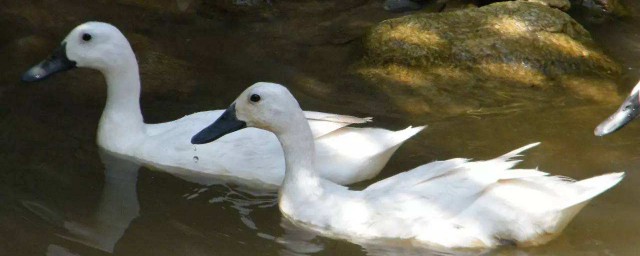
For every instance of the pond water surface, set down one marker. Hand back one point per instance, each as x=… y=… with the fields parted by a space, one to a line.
x=60 y=195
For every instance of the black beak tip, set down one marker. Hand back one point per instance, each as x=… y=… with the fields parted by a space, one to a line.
x=599 y=133
x=57 y=62
x=199 y=139
x=32 y=75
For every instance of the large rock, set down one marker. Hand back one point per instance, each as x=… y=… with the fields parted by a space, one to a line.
x=478 y=59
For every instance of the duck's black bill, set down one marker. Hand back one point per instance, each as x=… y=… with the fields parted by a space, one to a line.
x=629 y=110
x=57 y=62
x=226 y=123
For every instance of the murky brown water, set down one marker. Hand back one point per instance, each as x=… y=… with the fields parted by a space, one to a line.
x=59 y=195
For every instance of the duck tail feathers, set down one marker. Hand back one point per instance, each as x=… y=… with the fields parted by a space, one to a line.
x=516 y=153
x=403 y=135
x=594 y=186
x=589 y=189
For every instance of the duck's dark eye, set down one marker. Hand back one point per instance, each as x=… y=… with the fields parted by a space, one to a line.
x=86 y=37
x=255 y=97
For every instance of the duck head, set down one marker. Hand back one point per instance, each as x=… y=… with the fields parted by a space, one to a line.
x=629 y=110
x=266 y=106
x=95 y=45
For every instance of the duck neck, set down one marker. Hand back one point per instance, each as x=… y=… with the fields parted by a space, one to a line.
x=301 y=181
x=121 y=122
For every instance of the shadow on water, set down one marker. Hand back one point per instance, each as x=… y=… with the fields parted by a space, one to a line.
x=59 y=195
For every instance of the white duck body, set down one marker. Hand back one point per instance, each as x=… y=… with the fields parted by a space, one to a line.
x=453 y=204
x=252 y=157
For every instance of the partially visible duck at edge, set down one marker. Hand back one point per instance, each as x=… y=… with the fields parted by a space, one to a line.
x=455 y=203
x=252 y=157
x=627 y=112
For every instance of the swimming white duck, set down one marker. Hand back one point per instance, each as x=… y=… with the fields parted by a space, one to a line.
x=453 y=204
x=252 y=157
x=627 y=112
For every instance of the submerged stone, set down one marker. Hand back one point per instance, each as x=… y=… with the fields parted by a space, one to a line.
x=503 y=53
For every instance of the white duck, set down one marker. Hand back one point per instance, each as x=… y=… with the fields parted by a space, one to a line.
x=252 y=157
x=627 y=112
x=453 y=204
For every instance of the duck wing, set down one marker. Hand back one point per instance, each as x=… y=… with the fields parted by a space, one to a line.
x=325 y=123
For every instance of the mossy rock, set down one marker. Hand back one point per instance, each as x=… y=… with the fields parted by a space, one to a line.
x=503 y=53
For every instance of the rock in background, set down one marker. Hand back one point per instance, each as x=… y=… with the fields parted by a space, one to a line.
x=509 y=53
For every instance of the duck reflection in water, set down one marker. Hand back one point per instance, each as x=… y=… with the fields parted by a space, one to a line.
x=118 y=206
